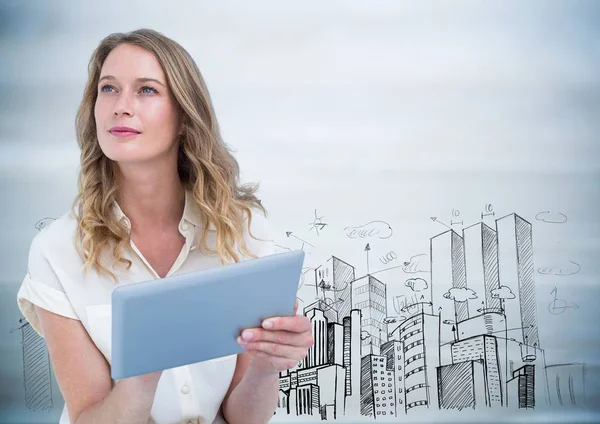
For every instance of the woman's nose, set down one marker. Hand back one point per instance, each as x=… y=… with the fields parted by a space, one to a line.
x=124 y=105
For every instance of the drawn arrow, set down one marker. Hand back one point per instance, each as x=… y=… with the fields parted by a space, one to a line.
x=367 y=248
x=290 y=234
x=406 y=307
x=434 y=219
x=454 y=331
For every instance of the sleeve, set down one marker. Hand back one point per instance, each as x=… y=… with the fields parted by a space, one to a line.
x=42 y=287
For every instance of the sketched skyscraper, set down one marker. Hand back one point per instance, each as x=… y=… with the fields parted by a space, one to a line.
x=515 y=265
x=333 y=282
x=481 y=264
x=352 y=361
x=369 y=295
x=36 y=369
x=317 y=353
x=447 y=257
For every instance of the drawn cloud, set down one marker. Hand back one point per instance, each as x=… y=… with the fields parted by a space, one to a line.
x=43 y=223
x=570 y=268
x=503 y=292
x=416 y=284
x=378 y=229
x=417 y=263
x=551 y=217
x=460 y=294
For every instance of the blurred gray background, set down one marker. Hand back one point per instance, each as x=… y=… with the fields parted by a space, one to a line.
x=351 y=111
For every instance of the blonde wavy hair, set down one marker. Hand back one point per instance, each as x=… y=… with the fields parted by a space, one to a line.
x=206 y=165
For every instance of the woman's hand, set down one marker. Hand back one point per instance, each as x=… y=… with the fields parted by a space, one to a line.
x=280 y=344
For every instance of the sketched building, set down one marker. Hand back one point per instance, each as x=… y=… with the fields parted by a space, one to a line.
x=484 y=349
x=328 y=312
x=521 y=388
x=333 y=282
x=282 y=402
x=420 y=360
x=566 y=384
x=461 y=385
x=317 y=390
x=481 y=264
x=352 y=362
x=515 y=265
x=335 y=343
x=393 y=351
x=317 y=353
x=369 y=296
x=518 y=356
x=304 y=400
x=377 y=387
x=36 y=369
x=488 y=323
x=447 y=257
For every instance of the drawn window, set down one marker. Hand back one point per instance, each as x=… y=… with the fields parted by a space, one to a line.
x=361 y=290
x=374 y=378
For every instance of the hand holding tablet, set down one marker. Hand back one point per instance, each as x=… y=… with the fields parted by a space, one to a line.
x=197 y=316
x=280 y=343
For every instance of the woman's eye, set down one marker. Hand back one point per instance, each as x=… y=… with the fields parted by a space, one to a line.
x=106 y=88
x=148 y=90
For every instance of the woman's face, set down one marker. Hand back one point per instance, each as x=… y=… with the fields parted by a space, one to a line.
x=136 y=115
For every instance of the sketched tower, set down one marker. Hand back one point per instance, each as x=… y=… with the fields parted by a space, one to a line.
x=36 y=369
x=419 y=338
x=481 y=264
x=515 y=266
x=369 y=296
x=317 y=354
x=333 y=285
x=447 y=257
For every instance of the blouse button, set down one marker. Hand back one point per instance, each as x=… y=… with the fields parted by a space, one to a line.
x=185 y=389
x=185 y=226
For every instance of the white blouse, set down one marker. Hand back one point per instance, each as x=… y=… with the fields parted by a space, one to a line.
x=55 y=281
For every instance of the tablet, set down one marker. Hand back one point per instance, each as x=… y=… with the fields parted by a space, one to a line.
x=197 y=316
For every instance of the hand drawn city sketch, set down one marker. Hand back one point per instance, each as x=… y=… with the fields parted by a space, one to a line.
x=464 y=338
x=450 y=342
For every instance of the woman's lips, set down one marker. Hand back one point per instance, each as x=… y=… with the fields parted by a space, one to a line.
x=124 y=133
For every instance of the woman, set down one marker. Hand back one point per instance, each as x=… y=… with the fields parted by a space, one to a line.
x=158 y=195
